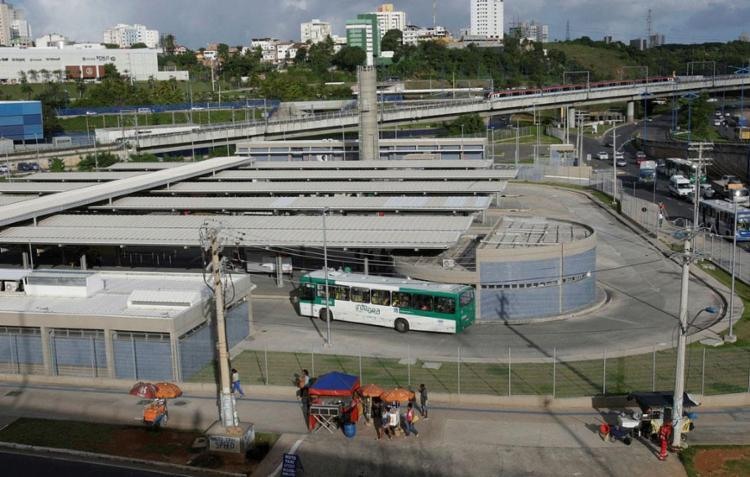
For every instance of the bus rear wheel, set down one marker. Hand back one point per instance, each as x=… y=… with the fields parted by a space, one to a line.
x=401 y=325
x=325 y=314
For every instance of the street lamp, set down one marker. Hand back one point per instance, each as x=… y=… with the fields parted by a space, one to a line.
x=690 y=97
x=731 y=338
x=328 y=342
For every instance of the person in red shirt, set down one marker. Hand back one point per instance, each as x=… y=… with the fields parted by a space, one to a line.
x=665 y=434
x=409 y=420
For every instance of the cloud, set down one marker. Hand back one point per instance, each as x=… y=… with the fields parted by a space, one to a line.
x=197 y=22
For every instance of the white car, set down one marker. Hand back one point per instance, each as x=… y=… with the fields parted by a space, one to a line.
x=602 y=156
x=4 y=169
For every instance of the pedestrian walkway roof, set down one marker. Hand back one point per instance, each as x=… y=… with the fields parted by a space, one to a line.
x=79 y=176
x=343 y=187
x=378 y=164
x=396 y=174
x=301 y=203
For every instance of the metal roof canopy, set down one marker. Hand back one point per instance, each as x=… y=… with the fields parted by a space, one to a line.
x=301 y=203
x=343 y=187
x=382 y=164
x=393 y=232
x=79 y=176
x=42 y=187
x=397 y=174
x=144 y=166
x=78 y=194
x=7 y=199
x=512 y=232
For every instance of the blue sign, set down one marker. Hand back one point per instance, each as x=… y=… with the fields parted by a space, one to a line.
x=290 y=465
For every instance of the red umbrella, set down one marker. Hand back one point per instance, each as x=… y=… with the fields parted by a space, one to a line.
x=167 y=391
x=143 y=390
x=397 y=395
x=370 y=390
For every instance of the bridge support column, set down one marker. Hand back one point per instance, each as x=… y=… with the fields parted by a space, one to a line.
x=631 y=112
x=572 y=117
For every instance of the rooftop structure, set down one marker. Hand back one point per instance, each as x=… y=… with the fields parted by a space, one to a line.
x=301 y=204
x=466 y=164
x=365 y=175
x=299 y=231
x=514 y=232
x=83 y=193
x=126 y=36
x=325 y=187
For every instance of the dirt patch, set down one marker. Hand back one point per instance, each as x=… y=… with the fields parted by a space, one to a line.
x=722 y=462
x=137 y=442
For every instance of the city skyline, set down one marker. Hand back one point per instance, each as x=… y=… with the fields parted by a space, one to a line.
x=239 y=21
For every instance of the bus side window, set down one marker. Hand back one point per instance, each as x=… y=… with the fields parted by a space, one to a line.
x=340 y=293
x=360 y=295
x=381 y=297
x=422 y=302
x=445 y=305
x=401 y=300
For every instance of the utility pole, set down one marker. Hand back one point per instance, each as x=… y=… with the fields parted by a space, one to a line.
x=229 y=425
x=518 y=141
x=679 y=381
x=731 y=338
x=699 y=147
x=614 y=165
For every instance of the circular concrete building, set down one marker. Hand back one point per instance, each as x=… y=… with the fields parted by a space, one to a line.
x=523 y=268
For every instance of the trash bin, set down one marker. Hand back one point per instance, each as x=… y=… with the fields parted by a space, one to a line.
x=350 y=429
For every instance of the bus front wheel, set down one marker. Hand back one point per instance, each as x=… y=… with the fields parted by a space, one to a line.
x=401 y=325
x=325 y=315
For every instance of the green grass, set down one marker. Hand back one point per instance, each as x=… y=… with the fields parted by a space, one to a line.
x=78 y=124
x=742 y=326
x=601 y=62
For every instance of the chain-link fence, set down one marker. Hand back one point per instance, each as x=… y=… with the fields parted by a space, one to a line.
x=709 y=371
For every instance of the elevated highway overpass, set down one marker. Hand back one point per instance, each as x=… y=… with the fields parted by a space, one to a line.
x=517 y=102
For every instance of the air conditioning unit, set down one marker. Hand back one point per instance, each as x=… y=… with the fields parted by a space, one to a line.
x=449 y=263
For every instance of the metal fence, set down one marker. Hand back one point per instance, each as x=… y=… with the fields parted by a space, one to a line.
x=709 y=371
x=162 y=108
x=643 y=212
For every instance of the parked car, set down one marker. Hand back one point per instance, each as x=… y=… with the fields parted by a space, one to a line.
x=602 y=156
x=621 y=162
x=640 y=156
x=4 y=169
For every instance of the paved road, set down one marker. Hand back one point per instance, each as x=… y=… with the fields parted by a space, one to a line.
x=25 y=465
x=458 y=439
x=643 y=289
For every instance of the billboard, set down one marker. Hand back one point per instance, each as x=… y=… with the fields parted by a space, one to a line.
x=21 y=120
x=84 y=71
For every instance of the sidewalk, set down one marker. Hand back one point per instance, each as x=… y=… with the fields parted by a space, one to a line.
x=477 y=440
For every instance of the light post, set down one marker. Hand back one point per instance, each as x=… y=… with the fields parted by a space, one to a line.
x=690 y=97
x=329 y=342
x=614 y=165
x=731 y=338
x=645 y=95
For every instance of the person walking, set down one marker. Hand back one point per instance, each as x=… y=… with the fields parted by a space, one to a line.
x=423 y=398
x=236 y=387
x=409 y=418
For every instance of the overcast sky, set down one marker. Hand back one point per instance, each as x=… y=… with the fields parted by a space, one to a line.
x=198 y=22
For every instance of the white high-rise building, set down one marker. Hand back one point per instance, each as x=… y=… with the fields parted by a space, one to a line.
x=487 y=18
x=390 y=19
x=126 y=36
x=13 y=25
x=314 y=31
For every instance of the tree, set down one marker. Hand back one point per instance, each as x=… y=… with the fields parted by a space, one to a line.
x=112 y=46
x=56 y=165
x=33 y=76
x=46 y=75
x=138 y=46
x=392 y=40
x=81 y=87
x=349 y=57
x=25 y=86
x=169 y=43
x=320 y=55
x=301 y=57
x=110 y=71
x=102 y=159
x=466 y=124
x=222 y=50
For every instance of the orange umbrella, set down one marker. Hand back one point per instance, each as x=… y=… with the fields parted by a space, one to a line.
x=397 y=395
x=371 y=390
x=167 y=391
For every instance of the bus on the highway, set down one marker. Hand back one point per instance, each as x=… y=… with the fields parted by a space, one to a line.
x=398 y=303
x=682 y=167
x=718 y=216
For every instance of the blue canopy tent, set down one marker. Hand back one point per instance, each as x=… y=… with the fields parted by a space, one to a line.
x=335 y=384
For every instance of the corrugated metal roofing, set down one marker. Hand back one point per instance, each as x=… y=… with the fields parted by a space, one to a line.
x=400 y=164
x=344 y=187
x=144 y=166
x=79 y=176
x=396 y=174
x=299 y=231
x=7 y=199
x=83 y=193
x=401 y=203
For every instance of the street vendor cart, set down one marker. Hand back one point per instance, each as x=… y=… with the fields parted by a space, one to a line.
x=655 y=406
x=331 y=402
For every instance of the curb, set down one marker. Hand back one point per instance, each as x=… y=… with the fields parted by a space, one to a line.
x=125 y=461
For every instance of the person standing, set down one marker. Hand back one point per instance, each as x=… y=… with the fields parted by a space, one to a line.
x=409 y=418
x=377 y=416
x=665 y=435
x=423 y=398
x=394 y=421
x=236 y=387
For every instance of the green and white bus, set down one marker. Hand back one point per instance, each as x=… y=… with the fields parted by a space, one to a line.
x=400 y=303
